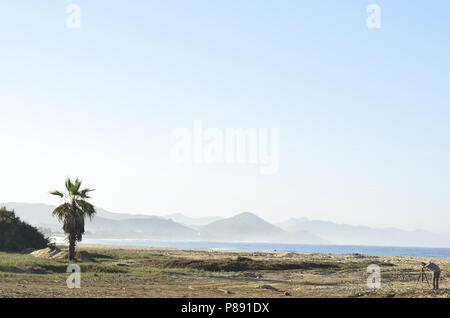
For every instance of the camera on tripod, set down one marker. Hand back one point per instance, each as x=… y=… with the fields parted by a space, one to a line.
x=423 y=275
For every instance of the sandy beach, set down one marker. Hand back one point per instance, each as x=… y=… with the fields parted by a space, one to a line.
x=127 y=271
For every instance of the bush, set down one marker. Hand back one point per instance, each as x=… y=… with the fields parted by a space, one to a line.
x=16 y=235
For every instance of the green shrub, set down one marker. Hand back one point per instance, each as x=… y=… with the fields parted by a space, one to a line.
x=16 y=235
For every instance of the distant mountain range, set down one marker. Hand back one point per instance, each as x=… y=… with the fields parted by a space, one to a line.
x=244 y=227
x=344 y=234
x=153 y=228
x=193 y=222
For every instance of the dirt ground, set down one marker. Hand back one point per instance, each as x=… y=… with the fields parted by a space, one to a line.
x=114 y=271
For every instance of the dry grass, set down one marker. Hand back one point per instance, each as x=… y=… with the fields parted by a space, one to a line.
x=238 y=264
x=156 y=272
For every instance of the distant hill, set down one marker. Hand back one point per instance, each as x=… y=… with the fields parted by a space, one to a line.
x=251 y=228
x=363 y=235
x=242 y=226
x=123 y=216
x=148 y=228
x=186 y=220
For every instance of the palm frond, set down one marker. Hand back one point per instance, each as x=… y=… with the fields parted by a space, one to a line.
x=86 y=208
x=62 y=211
x=57 y=193
x=84 y=193
x=69 y=185
x=76 y=186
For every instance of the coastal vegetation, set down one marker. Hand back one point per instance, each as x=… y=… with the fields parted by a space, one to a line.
x=16 y=235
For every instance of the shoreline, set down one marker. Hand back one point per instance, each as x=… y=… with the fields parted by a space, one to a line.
x=232 y=252
x=368 y=250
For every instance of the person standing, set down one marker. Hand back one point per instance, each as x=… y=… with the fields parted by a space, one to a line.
x=436 y=272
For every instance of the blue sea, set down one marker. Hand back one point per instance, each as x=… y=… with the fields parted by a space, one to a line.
x=269 y=247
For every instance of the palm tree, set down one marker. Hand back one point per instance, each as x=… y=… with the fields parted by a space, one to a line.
x=73 y=212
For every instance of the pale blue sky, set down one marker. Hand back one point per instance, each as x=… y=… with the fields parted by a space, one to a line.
x=363 y=114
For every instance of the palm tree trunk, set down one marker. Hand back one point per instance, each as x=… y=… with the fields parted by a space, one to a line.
x=72 y=243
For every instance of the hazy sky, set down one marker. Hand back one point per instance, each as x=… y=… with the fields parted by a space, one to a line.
x=363 y=114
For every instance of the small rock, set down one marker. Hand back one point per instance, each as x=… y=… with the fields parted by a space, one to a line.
x=268 y=287
x=251 y=275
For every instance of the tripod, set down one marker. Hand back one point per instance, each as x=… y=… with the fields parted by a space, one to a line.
x=422 y=275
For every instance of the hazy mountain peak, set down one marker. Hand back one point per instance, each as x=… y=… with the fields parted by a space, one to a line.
x=248 y=227
x=246 y=215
